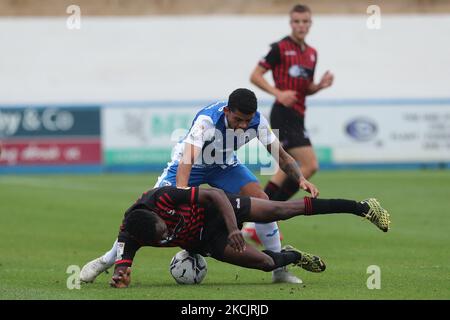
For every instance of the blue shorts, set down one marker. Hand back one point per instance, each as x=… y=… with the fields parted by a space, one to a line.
x=230 y=178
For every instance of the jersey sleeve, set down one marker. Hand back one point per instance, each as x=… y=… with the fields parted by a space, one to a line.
x=272 y=58
x=173 y=197
x=202 y=130
x=265 y=133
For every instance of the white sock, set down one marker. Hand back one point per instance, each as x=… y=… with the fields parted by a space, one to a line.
x=110 y=257
x=269 y=235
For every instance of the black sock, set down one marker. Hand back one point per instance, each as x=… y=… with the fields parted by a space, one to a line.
x=271 y=190
x=287 y=190
x=283 y=258
x=324 y=206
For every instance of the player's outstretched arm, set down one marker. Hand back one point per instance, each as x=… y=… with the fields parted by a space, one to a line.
x=223 y=205
x=190 y=154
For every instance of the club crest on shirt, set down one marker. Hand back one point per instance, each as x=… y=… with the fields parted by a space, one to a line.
x=197 y=131
x=297 y=71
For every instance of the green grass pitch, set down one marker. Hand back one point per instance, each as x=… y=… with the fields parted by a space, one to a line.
x=50 y=222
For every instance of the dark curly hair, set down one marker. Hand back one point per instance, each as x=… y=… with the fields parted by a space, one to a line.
x=243 y=100
x=141 y=224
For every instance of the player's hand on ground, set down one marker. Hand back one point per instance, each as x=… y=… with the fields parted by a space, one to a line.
x=121 y=277
x=309 y=187
x=327 y=80
x=287 y=98
x=236 y=240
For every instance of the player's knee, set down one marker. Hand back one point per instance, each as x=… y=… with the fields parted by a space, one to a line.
x=261 y=195
x=253 y=190
x=311 y=169
x=315 y=167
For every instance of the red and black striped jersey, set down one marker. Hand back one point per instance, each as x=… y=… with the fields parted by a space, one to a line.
x=292 y=68
x=180 y=210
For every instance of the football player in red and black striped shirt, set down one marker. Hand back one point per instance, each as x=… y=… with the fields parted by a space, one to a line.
x=293 y=63
x=208 y=222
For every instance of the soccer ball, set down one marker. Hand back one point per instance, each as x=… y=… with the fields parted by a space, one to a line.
x=188 y=268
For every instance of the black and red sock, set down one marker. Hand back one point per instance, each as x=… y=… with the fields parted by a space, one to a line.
x=287 y=189
x=325 y=206
x=283 y=258
x=283 y=192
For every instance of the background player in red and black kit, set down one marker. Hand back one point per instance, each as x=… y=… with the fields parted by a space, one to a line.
x=292 y=62
x=208 y=222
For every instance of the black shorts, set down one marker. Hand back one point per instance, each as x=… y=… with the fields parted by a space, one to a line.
x=290 y=125
x=215 y=233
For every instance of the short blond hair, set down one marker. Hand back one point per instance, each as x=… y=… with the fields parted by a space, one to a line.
x=300 y=8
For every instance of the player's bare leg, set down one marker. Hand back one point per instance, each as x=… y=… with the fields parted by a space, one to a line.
x=307 y=158
x=280 y=188
x=267 y=210
x=269 y=235
x=249 y=258
x=269 y=260
x=249 y=229
x=266 y=235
